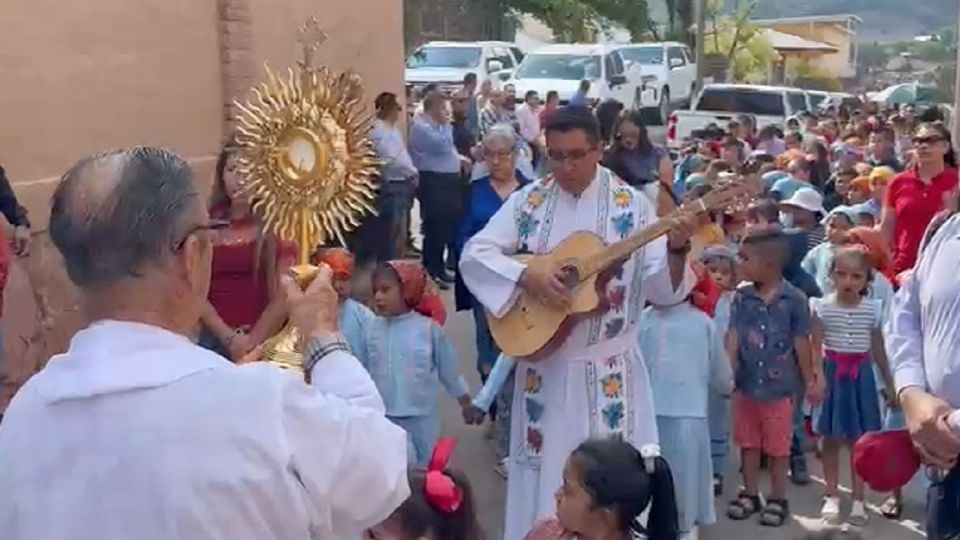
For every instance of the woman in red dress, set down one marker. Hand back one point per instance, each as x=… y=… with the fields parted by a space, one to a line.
x=244 y=306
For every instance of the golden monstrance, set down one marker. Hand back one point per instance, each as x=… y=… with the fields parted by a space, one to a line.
x=306 y=164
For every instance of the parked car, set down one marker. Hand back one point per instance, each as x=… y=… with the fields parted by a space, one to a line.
x=719 y=103
x=669 y=70
x=815 y=98
x=563 y=67
x=446 y=63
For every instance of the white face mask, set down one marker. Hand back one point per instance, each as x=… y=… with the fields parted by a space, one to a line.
x=786 y=219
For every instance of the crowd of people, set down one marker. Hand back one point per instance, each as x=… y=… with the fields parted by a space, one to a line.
x=816 y=315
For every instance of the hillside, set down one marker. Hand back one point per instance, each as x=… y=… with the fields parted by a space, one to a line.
x=883 y=20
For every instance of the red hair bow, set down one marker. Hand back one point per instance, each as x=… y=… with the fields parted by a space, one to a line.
x=443 y=494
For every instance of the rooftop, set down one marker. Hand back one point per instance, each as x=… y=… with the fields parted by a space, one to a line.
x=841 y=18
x=781 y=41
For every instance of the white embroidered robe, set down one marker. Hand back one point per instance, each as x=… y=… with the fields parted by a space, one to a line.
x=595 y=384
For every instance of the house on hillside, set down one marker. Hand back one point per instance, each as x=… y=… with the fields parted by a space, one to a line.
x=837 y=31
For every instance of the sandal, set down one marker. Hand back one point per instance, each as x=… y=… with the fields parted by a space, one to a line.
x=775 y=513
x=891 y=508
x=743 y=507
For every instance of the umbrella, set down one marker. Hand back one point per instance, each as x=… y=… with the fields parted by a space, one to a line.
x=908 y=93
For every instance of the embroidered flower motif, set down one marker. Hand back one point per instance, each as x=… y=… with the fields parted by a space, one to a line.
x=535 y=439
x=534 y=198
x=622 y=198
x=614 y=327
x=534 y=410
x=533 y=382
x=612 y=385
x=616 y=297
x=613 y=414
x=623 y=223
x=526 y=225
x=612 y=362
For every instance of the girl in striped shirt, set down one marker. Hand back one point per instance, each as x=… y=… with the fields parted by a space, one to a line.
x=846 y=331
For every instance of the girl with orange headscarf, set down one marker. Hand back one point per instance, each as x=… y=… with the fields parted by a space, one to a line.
x=408 y=352
x=355 y=317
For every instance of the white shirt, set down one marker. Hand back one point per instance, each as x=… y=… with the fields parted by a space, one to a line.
x=529 y=119
x=137 y=433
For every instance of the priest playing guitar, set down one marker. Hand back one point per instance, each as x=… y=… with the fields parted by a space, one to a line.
x=590 y=380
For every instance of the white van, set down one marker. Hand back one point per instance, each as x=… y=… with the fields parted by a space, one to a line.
x=446 y=63
x=668 y=70
x=563 y=67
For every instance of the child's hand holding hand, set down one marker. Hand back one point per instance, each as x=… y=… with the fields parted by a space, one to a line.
x=816 y=389
x=473 y=416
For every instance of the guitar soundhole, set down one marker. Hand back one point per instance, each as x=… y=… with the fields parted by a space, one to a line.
x=571 y=276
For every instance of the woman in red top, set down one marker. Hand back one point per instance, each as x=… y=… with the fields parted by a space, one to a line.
x=916 y=195
x=243 y=306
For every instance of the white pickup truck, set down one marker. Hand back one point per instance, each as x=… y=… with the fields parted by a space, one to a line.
x=720 y=103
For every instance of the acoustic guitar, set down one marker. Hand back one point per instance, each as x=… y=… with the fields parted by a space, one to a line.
x=533 y=329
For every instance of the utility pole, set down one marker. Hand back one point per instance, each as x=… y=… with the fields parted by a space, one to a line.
x=700 y=8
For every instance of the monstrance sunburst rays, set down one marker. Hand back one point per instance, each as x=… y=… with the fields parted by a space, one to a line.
x=306 y=164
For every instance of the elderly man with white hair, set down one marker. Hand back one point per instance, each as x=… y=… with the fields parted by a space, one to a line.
x=136 y=432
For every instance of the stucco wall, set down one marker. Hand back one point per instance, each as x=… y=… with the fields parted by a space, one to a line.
x=79 y=77
x=837 y=64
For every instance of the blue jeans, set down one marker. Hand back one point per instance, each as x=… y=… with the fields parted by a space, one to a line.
x=422 y=435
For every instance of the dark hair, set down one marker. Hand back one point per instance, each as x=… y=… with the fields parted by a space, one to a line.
x=110 y=233
x=470 y=78
x=417 y=518
x=885 y=132
x=530 y=94
x=634 y=117
x=430 y=87
x=764 y=208
x=570 y=118
x=385 y=104
x=585 y=85
x=861 y=256
x=769 y=131
x=615 y=475
x=553 y=94
x=950 y=159
x=431 y=99
x=219 y=201
x=771 y=243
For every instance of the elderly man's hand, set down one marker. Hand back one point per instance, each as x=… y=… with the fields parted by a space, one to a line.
x=21 y=241
x=314 y=311
x=926 y=415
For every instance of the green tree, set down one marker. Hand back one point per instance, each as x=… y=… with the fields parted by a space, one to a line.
x=743 y=44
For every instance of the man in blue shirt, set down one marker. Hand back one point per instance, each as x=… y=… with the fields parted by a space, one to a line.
x=579 y=99
x=441 y=182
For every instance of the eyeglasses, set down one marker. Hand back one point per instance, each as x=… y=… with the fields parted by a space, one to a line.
x=498 y=155
x=932 y=139
x=572 y=155
x=210 y=225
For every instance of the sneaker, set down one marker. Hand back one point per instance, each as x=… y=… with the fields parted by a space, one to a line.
x=798 y=471
x=501 y=468
x=830 y=511
x=858 y=514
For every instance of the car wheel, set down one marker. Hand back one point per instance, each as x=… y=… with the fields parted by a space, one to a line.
x=664 y=109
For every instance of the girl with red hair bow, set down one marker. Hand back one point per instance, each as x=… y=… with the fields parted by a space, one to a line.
x=440 y=506
x=408 y=352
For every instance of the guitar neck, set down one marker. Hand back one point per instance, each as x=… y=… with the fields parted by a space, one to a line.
x=594 y=264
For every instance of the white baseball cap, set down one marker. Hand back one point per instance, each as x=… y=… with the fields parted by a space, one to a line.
x=807 y=198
